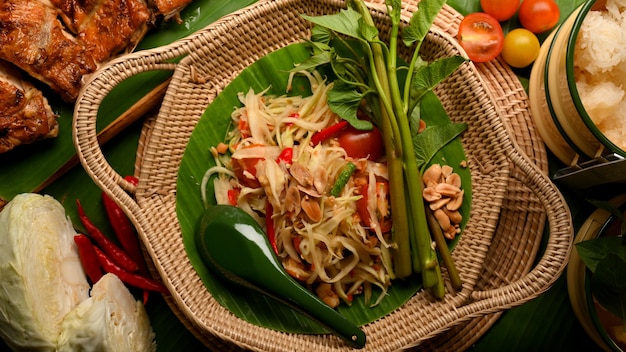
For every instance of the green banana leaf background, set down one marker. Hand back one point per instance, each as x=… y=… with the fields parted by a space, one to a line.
x=546 y=323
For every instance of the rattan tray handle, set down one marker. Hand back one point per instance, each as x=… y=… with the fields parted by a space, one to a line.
x=95 y=89
x=555 y=257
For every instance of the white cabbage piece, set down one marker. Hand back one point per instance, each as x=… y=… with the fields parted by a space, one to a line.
x=41 y=278
x=110 y=320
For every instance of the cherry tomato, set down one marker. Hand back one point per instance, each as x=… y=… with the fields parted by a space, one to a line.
x=539 y=16
x=501 y=10
x=521 y=48
x=362 y=144
x=481 y=36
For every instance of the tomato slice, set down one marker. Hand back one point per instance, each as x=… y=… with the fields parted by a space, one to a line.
x=382 y=190
x=481 y=36
x=245 y=169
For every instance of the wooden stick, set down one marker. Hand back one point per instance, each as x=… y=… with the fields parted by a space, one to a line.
x=134 y=113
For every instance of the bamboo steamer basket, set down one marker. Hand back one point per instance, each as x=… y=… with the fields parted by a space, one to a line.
x=578 y=277
x=513 y=198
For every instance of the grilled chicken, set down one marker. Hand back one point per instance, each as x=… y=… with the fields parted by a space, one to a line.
x=33 y=39
x=59 y=42
x=25 y=115
x=106 y=27
x=170 y=8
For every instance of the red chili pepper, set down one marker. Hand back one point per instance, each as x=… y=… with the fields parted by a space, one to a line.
x=87 y=255
x=233 y=194
x=328 y=132
x=126 y=277
x=125 y=232
x=296 y=243
x=132 y=179
x=111 y=249
x=286 y=156
x=293 y=114
x=269 y=224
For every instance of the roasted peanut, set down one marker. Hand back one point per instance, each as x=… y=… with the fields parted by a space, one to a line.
x=311 y=208
x=448 y=190
x=442 y=219
x=302 y=174
x=444 y=195
x=456 y=202
x=430 y=194
x=432 y=175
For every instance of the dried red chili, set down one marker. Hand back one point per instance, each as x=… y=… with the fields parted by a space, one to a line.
x=126 y=277
x=88 y=260
x=125 y=232
x=116 y=253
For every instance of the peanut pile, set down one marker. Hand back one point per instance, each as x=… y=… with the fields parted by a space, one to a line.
x=444 y=195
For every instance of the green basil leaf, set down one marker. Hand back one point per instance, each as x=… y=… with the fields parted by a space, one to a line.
x=344 y=101
x=427 y=77
x=421 y=20
x=591 y=252
x=344 y=22
x=608 y=284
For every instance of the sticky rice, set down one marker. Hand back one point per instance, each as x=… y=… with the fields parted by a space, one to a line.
x=600 y=69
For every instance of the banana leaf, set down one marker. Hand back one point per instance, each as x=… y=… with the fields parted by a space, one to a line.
x=272 y=71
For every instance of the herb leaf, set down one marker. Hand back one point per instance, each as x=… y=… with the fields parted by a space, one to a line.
x=432 y=139
x=317 y=59
x=421 y=20
x=321 y=34
x=344 y=22
x=344 y=101
x=609 y=284
x=432 y=74
x=591 y=252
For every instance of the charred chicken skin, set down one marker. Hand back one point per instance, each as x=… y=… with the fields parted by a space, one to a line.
x=25 y=115
x=59 y=42
x=33 y=39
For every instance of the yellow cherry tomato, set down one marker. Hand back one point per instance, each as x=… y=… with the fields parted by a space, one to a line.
x=520 y=48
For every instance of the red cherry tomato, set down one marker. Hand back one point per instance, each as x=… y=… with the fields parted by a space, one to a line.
x=362 y=144
x=481 y=36
x=501 y=10
x=539 y=15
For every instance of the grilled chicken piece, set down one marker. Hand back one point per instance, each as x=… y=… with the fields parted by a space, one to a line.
x=170 y=8
x=59 y=42
x=33 y=39
x=106 y=27
x=25 y=115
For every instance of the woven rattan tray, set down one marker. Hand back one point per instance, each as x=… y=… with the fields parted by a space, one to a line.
x=512 y=196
